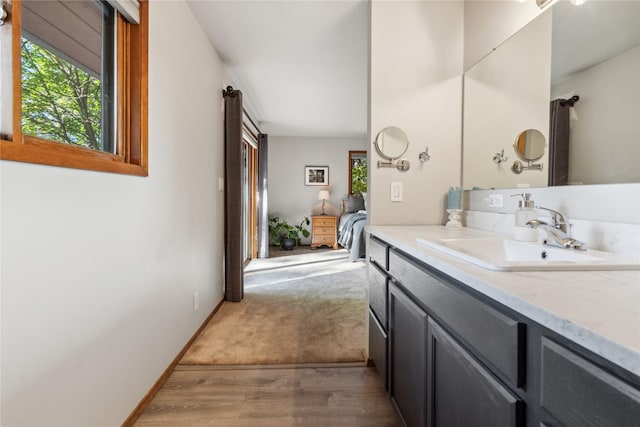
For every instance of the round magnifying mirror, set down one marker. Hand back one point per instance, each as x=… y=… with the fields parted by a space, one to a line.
x=530 y=144
x=391 y=142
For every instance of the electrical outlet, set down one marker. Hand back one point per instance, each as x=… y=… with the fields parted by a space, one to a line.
x=495 y=200
x=396 y=191
x=196 y=301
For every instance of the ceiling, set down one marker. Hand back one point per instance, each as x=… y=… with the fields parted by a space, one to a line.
x=595 y=31
x=301 y=65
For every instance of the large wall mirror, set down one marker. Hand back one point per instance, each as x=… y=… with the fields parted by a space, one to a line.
x=586 y=58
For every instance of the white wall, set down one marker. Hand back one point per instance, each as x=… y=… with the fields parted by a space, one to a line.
x=504 y=94
x=416 y=84
x=605 y=142
x=99 y=270
x=288 y=196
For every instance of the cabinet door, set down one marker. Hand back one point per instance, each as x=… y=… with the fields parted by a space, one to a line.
x=408 y=357
x=578 y=393
x=462 y=393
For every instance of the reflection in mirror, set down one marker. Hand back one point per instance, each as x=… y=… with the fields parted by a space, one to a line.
x=530 y=144
x=596 y=56
x=357 y=172
x=601 y=132
x=391 y=142
x=505 y=93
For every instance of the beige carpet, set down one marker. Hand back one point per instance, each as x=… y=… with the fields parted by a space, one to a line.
x=297 y=309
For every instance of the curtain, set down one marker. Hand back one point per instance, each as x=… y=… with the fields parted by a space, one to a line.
x=559 y=142
x=263 y=219
x=233 y=224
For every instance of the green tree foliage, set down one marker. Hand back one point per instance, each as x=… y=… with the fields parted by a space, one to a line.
x=359 y=176
x=60 y=102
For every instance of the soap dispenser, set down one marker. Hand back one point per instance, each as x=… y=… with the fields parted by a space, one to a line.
x=524 y=214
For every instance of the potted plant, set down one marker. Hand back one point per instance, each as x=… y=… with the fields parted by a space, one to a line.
x=285 y=235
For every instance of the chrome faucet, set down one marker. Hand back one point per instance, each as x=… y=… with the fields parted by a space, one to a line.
x=558 y=233
x=559 y=221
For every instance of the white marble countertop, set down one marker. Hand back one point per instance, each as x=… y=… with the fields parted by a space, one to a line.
x=599 y=310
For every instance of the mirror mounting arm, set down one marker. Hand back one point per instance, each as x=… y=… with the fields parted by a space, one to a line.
x=402 y=165
x=518 y=167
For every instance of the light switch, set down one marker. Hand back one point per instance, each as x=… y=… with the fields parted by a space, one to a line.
x=196 y=301
x=396 y=191
x=220 y=184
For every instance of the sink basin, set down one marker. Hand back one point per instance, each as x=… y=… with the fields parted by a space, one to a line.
x=511 y=255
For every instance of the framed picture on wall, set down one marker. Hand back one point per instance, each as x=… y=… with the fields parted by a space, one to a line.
x=316 y=175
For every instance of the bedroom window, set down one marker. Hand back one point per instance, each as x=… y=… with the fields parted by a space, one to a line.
x=357 y=172
x=79 y=95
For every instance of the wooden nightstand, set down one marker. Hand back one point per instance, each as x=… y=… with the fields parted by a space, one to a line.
x=324 y=231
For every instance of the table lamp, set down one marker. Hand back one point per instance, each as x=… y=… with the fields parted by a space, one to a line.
x=323 y=195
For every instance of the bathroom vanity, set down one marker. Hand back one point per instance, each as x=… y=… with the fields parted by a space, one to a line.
x=461 y=345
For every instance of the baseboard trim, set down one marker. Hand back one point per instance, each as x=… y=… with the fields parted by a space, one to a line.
x=146 y=400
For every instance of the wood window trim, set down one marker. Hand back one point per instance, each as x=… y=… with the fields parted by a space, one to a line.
x=132 y=109
x=353 y=153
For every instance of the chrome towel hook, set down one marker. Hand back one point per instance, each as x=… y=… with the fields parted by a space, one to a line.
x=3 y=13
x=500 y=157
x=424 y=156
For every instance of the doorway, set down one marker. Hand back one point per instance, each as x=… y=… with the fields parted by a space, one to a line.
x=249 y=193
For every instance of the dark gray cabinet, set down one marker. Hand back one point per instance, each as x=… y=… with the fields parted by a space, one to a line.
x=454 y=357
x=378 y=252
x=579 y=394
x=378 y=348
x=462 y=392
x=408 y=357
x=378 y=294
x=378 y=308
x=496 y=337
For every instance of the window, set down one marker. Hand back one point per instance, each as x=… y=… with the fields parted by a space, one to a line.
x=67 y=68
x=357 y=172
x=79 y=96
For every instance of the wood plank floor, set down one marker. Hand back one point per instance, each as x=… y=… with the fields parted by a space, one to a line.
x=271 y=397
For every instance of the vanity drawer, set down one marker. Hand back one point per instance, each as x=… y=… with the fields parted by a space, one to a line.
x=497 y=338
x=603 y=400
x=378 y=294
x=378 y=252
x=378 y=348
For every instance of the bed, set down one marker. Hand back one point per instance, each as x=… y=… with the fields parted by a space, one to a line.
x=351 y=227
